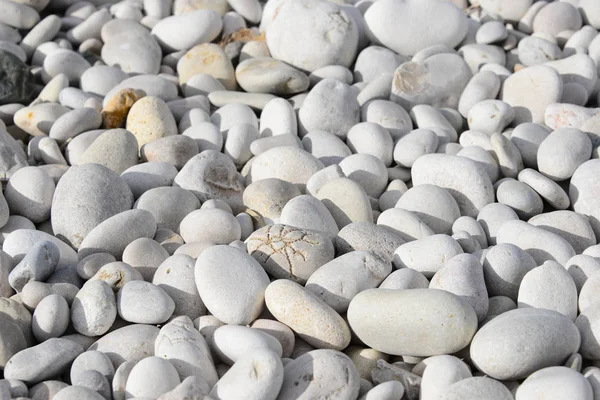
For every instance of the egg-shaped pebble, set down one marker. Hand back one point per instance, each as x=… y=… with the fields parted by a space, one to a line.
x=87 y=184
x=216 y=285
x=428 y=306
x=505 y=347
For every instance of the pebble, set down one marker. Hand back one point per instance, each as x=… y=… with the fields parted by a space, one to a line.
x=150 y=119
x=17 y=84
x=476 y=388
x=94 y=309
x=459 y=180
x=428 y=306
x=207 y=58
x=145 y=255
x=37 y=120
x=86 y=184
x=560 y=294
x=242 y=380
x=184 y=346
x=231 y=303
x=50 y=318
x=288 y=252
x=183 y=31
x=558 y=162
x=330 y=106
x=116 y=149
x=285 y=298
x=212 y=175
x=530 y=90
x=428 y=82
x=411 y=34
x=268 y=75
x=29 y=193
x=312 y=20
x=554 y=381
x=521 y=352
x=145 y=176
x=338 y=281
x=43 y=361
x=38 y=265
x=131 y=343
x=520 y=197
x=151 y=377
x=332 y=373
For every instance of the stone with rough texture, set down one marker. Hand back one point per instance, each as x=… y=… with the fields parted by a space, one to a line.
x=16 y=84
x=289 y=252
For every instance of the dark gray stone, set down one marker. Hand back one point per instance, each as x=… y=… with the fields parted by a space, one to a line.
x=16 y=81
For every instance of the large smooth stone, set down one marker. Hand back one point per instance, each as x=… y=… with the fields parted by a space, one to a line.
x=465 y=179
x=530 y=91
x=410 y=26
x=329 y=35
x=85 y=196
x=413 y=322
x=522 y=341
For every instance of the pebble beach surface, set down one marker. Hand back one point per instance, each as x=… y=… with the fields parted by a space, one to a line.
x=300 y=199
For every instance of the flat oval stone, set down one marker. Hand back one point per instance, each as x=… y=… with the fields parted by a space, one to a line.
x=346 y=200
x=571 y=226
x=530 y=90
x=18 y=243
x=557 y=160
x=539 y=243
x=116 y=149
x=207 y=58
x=176 y=277
x=145 y=176
x=433 y=321
x=406 y=27
x=338 y=281
x=288 y=252
x=317 y=323
x=555 y=381
x=75 y=122
x=37 y=120
x=29 y=193
x=150 y=119
x=433 y=205
x=559 y=292
x=506 y=348
x=151 y=377
x=477 y=388
x=130 y=343
x=180 y=32
x=458 y=176
x=333 y=374
x=307 y=212
x=234 y=295
x=144 y=303
x=42 y=361
x=231 y=342
x=87 y=184
x=286 y=163
x=330 y=106
x=268 y=75
x=133 y=53
x=115 y=233
x=365 y=235
x=219 y=226
x=312 y=20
